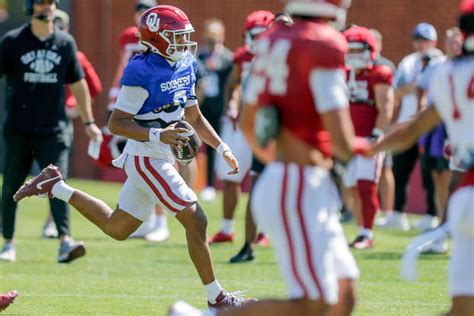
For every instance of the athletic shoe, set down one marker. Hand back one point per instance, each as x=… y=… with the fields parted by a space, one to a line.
x=394 y=220
x=262 y=240
x=346 y=217
x=245 y=254
x=7 y=299
x=438 y=246
x=227 y=300
x=41 y=185
x=181 y=308
x=362 y=242
x=8 y=252
x=70 y=251
x=50 y=231
x=159 y=234
x=208 y=194
x=221 y=237
x=427 y=222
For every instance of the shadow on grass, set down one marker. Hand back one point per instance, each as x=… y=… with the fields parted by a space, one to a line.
x=381 y=256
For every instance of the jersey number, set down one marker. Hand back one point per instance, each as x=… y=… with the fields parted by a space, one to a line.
x=270 y=65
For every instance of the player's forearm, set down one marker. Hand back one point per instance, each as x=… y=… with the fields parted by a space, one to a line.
x=402 y=137
x=81 y=92
x=128 y=129
x=385 y=99
x=206 y=132
x=338 y=123
x=406 y=134
x=383 y=120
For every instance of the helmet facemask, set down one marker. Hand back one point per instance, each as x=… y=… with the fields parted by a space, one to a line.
x=359 y=56
x=179 y=43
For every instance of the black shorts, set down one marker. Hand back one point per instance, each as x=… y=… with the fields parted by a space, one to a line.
x=257 y=166
x=435 y=163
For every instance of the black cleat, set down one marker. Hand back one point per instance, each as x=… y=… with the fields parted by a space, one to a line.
x=245 y=254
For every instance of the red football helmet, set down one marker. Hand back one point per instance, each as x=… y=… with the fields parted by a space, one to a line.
x=256 y=23
x=333 y=9
x=166 y=30
x=362 y=47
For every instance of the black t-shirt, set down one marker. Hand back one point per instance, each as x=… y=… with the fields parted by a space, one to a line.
x=36 y=73
x=218 y=66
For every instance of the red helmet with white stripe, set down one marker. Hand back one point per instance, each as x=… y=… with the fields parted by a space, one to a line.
x=166 y=30
x=256 y=23
x=332 y=9
x=362 y=47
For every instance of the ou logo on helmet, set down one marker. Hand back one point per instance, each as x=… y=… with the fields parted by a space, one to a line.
x=153 y=22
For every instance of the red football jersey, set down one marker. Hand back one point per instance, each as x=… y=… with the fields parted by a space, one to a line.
x=128 y=40
x=92 y=80
x=243 y=57
x=362 y=97
x=291 y=57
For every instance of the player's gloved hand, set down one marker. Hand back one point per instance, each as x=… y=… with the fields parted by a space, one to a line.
x=171 y=136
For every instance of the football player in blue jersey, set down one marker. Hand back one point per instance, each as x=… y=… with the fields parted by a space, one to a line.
x=157 y=90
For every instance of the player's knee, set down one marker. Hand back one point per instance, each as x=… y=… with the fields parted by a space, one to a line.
x=311 y=307
x=198 y=220
x=115 y=233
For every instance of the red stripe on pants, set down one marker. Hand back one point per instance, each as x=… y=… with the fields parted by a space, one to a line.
x=152 y=186
x=288 y=233
x=307 y=245
x=164 y=184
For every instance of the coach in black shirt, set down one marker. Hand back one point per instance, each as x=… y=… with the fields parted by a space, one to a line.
x=38 y=61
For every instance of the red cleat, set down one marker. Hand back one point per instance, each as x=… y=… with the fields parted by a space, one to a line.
x=41 y=185
x=362 y=242
x=7 y=299
x=228 y=300
x=221 y=237
x=262 y=240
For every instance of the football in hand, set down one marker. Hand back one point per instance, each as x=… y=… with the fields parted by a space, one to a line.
x=186 y=153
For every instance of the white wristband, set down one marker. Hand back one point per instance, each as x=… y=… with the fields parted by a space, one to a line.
x=377 y=132
x=222 y=148
x=154 y=135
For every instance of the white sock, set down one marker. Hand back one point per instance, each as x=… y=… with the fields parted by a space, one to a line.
x=227 y=226
x=213 y=290
x=366 y=232
x=62 y=191
x=161 y=221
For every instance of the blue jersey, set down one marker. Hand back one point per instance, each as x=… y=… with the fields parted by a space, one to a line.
x=170 y=87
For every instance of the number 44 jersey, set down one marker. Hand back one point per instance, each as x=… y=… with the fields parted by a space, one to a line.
x=300 y=71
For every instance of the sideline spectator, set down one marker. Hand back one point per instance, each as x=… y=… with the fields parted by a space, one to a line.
x=38 y=61
x=217 y=60
x=408 y=72
x=61 y=21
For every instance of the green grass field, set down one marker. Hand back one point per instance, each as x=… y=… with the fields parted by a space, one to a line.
x=136 y=277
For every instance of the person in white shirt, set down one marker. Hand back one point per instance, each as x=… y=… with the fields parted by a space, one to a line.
x=409 y=70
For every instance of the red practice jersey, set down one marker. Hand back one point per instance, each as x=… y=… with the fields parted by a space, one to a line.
x=300 y=70
x=92 y=79
x=362 y=97
x=243 y=57
x=129 y=46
